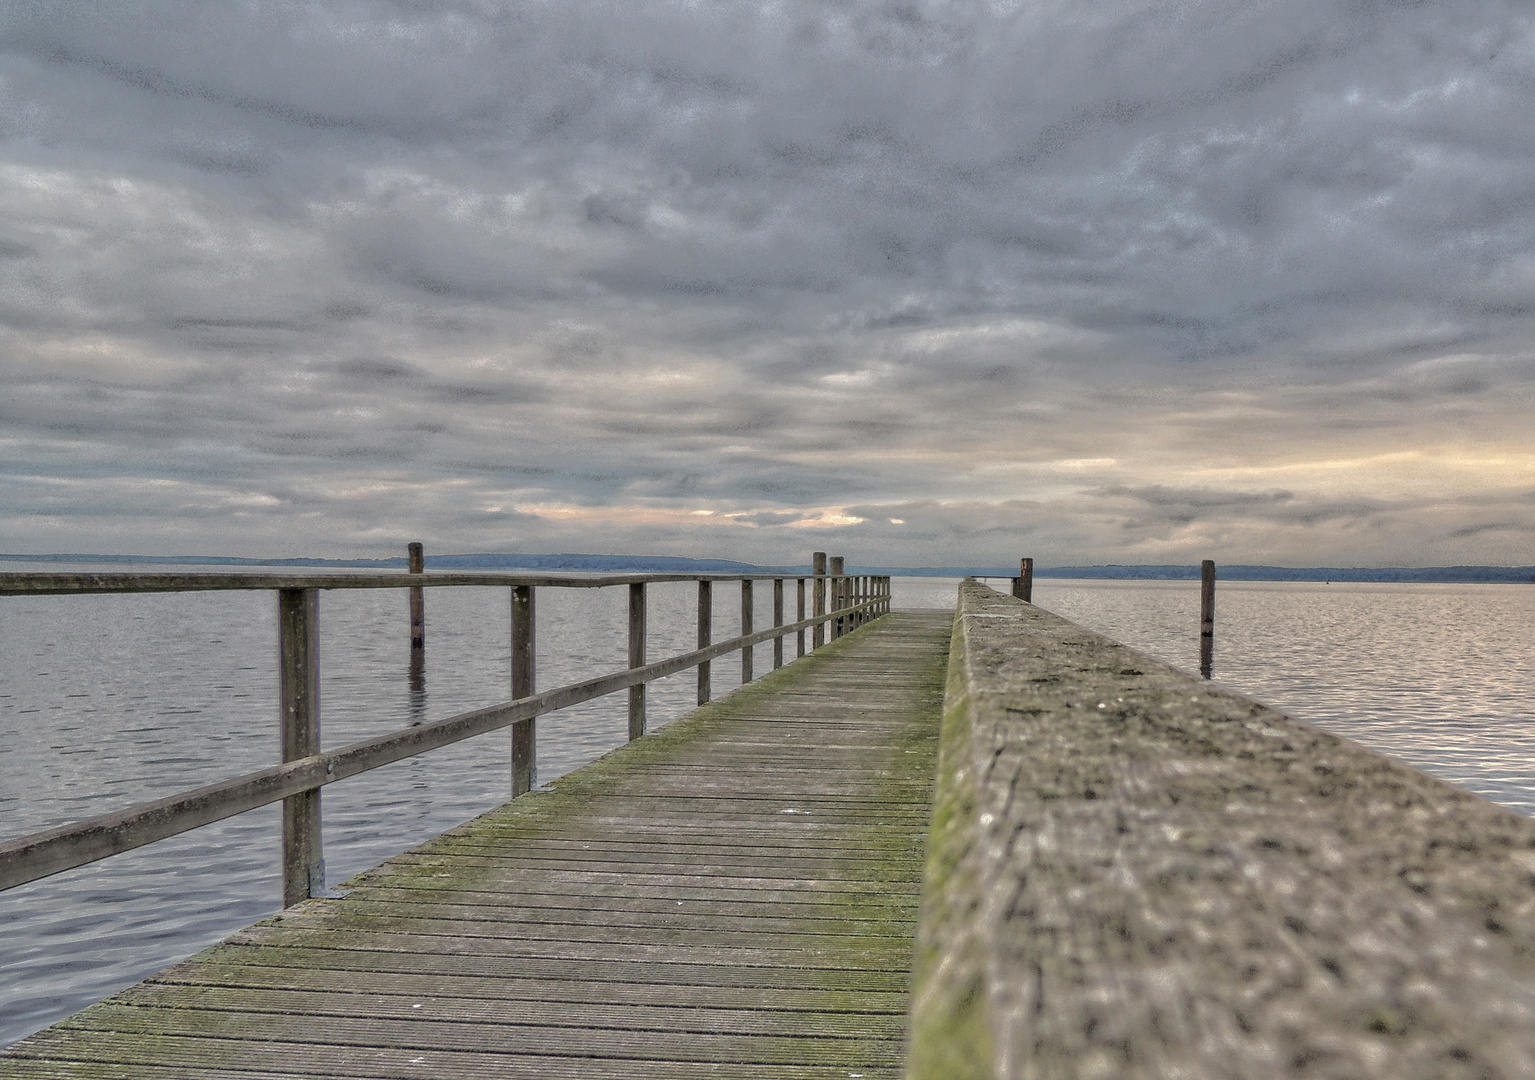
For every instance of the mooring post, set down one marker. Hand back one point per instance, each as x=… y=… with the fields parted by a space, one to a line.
x=835 y=566
x=818 y=587
x=636 y=658
x=799 y=616
x=1023 y=584
x=524 y=654
x=778 y=621
x=705 y=635
x=298 y=649
x=746 y=629
x=417 y=562
x=1207 y=617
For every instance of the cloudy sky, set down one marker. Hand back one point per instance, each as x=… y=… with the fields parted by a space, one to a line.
x=921 y=282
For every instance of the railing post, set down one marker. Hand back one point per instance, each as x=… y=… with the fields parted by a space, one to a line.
x=1023 y=584
x=705 y=634
x=298 y=650
x=778 y=621
x=417 y=560
x=818 y=587
x=636 y=658
x=799 y=613
x=746 y=628
x=1206 y=617
x=524 y=656
x=834 y=566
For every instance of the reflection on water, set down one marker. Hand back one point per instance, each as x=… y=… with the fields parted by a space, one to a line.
x=107 y=701
x=416 y=683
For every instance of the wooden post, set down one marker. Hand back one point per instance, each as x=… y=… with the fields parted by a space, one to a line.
x=705 y=631
x=746 y=628
x=636 y=658
x=1206 y=617
x=834 y=567
x=1023 y=584
x=818 y=587
x=778 y=621
x=298 y=665
x=799 y=615
x=524 y=658
x=417 y=602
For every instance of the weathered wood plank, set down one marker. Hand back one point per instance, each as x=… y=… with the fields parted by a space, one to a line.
x=538 y=992
x=434 y=1007
x=677 y=972
x=185 y=1055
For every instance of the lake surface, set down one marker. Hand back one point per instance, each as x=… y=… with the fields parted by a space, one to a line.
x=107 y=701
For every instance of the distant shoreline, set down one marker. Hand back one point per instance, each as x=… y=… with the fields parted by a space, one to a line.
x=672 y=564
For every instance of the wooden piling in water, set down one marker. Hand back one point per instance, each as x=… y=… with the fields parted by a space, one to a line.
x=417 y=564
x=524 y=652
x=746 y=629
x=835 y=565
x=636 y=658
x=1207 y=617
x=818 y=569
x=705 y=635
x=298 y=646
x=778 y=621
x=1023 y=584
x=799 y=616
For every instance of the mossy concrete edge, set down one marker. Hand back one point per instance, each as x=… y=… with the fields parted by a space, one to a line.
x=949 y=1032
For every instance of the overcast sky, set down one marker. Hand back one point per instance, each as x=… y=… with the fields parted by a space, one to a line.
x=917 y=282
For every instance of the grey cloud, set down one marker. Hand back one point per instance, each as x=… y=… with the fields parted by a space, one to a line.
x=777 y=259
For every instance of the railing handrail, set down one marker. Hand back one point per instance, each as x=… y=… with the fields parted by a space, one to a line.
x=41 y=583
x=41 y=854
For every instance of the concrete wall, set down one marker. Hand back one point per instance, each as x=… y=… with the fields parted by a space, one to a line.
x=1132 y=873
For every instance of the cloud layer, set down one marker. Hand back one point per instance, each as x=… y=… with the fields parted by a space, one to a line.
x=924 y=282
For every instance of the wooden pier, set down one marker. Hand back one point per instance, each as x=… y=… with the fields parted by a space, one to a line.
x=732 y=896
x=992 y=846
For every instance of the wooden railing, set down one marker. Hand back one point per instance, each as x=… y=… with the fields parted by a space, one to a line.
x=839 y=603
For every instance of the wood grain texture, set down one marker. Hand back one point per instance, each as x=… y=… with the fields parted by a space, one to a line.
x=732 y=896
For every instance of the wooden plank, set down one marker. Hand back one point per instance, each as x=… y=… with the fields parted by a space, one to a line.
x=339 y=958
x=282 y=1057
x=733 y=895
x=545 y=991
x=433 y=1007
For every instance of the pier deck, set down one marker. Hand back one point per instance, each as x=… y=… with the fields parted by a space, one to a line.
x=734 y=896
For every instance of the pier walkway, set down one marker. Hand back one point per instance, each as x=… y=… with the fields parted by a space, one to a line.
x=732 y=896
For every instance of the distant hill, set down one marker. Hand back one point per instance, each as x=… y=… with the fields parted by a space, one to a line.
x=669 y=564
x=1240 y=572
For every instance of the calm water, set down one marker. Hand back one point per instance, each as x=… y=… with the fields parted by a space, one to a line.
x=106 y=701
